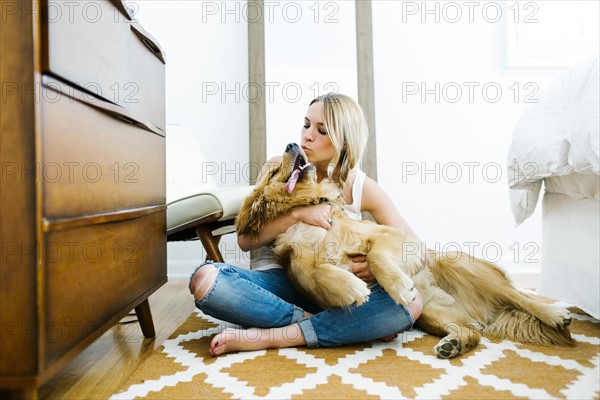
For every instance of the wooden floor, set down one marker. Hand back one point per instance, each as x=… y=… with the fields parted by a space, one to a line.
x=100 y=370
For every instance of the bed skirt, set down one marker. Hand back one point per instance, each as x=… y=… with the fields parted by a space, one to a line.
x=570 y=269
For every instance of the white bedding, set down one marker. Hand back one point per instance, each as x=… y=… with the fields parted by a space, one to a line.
x=557 y=136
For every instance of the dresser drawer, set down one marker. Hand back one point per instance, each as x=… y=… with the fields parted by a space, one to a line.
x=94 y=162
x=93 y=45
x=93 y=273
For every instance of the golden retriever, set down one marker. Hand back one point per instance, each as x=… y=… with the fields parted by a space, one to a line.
x=464 y=297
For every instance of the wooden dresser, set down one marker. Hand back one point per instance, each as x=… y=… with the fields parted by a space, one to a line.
x=82 y=142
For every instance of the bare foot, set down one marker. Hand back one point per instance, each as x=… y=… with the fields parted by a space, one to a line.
x=389 y=338
x=231 y=340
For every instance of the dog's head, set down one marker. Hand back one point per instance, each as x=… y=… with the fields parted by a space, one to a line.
x=290 y=184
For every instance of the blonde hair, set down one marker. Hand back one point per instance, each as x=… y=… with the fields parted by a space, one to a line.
x=347 y=128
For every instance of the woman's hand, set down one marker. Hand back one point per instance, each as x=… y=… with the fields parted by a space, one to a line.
x=360 y=268
x=317 y=215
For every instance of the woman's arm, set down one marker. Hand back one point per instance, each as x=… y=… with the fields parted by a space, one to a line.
x=376 y=201
x=268 y=233
x=313 y=215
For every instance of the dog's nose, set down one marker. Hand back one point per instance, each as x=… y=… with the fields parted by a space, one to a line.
x=290 y=146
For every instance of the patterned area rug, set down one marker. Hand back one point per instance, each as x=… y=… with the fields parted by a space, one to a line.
x=405 y=368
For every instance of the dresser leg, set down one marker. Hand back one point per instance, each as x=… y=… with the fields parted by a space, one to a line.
x=28 y=393
x=145 y=319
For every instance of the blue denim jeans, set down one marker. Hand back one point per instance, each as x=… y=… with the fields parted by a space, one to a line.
x=267 y=299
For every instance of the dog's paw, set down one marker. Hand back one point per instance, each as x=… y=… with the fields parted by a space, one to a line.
x=402 y=290
x=476 y=326
x=559 y=318
x=356 y=290
x=402 y=295
x=563 y=318
x=360 y=295
x=344 y=295
x=448 y=347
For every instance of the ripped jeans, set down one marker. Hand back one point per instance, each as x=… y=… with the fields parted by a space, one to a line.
x=267 y=299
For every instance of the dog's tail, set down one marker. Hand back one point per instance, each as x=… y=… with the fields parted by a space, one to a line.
x=522 y=327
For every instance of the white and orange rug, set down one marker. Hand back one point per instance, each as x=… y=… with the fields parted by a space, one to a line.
x=405 y=368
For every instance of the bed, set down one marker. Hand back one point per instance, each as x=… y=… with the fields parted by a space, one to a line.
x=555 y=150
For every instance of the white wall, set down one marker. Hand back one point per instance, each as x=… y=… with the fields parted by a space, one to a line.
x=447 y=102
x=206 y=47
x=310 y=49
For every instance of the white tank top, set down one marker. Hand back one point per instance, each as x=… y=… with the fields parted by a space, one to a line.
x=265 y=258
x=354 y=210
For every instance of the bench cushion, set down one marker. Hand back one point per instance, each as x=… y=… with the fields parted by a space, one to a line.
x=202 y=205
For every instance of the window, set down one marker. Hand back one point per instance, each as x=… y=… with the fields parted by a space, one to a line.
x=550 y=34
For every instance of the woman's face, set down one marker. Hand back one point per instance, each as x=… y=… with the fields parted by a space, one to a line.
x=315 y=140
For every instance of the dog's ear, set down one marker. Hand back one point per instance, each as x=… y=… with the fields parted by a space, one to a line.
x=252 y=215
x=242 y=221
x=330 y=191
x=250 y=218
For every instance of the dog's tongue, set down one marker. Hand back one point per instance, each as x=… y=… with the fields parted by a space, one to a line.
x=291 y=183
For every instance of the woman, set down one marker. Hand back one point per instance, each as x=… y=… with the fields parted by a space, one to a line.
x=333 y=137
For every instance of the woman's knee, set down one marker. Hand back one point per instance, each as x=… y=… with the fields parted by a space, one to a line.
x=416 y=307
x=203 y=280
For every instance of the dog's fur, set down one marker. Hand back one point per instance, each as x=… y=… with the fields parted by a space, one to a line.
x=463 y=296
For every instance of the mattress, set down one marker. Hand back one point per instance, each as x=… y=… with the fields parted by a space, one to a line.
x=576 y=186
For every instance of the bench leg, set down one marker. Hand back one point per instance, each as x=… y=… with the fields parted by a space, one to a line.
x=210 y=243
